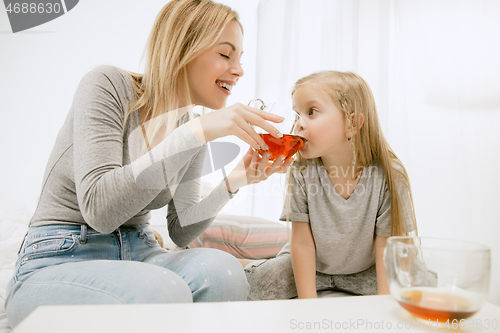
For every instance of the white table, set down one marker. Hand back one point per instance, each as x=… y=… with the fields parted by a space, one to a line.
x=340 y=314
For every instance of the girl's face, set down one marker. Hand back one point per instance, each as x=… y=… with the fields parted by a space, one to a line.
x=215 y=72
x=322 y=123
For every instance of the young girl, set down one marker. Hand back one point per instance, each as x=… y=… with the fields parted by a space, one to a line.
x=125 y=150
x=347 y=193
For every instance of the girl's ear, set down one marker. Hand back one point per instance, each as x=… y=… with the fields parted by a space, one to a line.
x=361 y=122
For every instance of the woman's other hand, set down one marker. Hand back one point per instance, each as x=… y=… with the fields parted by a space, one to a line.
x=253 y=169
x=235 y=120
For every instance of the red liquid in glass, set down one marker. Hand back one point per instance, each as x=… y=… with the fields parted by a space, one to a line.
x=286 y=145
x=436 y=307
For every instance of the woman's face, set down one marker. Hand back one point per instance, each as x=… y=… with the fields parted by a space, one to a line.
x=215 y=72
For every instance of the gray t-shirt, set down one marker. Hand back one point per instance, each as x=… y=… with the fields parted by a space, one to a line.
x=99 y=175
x=343 y=230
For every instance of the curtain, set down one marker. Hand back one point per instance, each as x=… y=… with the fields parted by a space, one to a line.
x=433 y=68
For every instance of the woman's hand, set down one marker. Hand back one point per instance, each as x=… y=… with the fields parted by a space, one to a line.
x=253 y=169
x=235 y=120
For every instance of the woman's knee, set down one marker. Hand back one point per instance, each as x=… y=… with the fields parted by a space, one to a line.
x=164 y=286
x=140 y=283
x=222 y=274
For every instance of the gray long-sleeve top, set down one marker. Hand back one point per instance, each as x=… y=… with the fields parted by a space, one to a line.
x=97 y=175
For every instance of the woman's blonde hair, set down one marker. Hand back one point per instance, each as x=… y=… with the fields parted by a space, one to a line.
x=352 y=95
x=182 y=30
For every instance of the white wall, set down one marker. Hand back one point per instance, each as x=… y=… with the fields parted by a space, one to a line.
x=41 y=68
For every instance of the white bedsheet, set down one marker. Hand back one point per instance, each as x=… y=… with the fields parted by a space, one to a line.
x=14 y=218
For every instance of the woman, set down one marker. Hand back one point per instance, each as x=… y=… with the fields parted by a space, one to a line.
x=130 y=144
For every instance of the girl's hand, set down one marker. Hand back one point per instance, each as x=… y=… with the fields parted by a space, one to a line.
x=235 y=120
x=253 y=169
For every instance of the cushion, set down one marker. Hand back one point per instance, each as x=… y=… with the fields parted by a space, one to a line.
x=245 y=237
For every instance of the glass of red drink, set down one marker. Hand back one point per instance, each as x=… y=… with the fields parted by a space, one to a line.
x=290 y=143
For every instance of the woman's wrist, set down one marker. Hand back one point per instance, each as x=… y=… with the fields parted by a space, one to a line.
x=227 y=187
x=231 y=185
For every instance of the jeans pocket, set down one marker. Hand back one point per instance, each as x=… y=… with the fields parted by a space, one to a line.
x=47 y=247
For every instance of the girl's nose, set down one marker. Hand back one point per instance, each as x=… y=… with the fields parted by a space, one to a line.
x=300 y=124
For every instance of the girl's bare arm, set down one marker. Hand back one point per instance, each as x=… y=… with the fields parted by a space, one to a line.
x=303 y=252
x=382 y=286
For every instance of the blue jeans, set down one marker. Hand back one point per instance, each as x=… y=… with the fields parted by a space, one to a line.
x=64 y=264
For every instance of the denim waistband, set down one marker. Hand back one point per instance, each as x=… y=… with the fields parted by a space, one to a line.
x=70 y=229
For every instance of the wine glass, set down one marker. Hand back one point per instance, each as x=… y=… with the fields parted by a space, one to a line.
x=290 y=143
x=437 y=279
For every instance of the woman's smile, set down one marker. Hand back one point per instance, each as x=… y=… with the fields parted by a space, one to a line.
x=225 y=86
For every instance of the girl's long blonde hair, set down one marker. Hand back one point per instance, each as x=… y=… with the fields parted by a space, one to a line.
x=352 y=95
x=182 y=30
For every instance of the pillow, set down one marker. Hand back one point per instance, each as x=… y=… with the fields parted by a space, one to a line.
x=245 y=237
